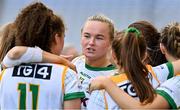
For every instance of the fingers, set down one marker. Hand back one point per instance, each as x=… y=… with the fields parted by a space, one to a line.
x=90 y=88
x=93 y=85
x=72 y=66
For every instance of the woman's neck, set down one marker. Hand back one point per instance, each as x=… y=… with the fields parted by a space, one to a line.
x=102 y=62
x=170 y=58
x=120 y=69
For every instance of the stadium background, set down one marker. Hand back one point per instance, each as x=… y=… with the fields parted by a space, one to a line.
x=122 y=12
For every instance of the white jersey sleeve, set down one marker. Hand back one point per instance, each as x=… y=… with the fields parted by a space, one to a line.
x=170 y=90
x=31 y=55
x=164 y=72
x=72 y=86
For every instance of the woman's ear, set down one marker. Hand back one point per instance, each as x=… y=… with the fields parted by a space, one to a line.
x=56 y=38
x=163 y=49
x=114 y=58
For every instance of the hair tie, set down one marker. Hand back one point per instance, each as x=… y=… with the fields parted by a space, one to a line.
x=133 y=30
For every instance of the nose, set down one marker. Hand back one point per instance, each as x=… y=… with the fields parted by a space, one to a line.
x=92 y=41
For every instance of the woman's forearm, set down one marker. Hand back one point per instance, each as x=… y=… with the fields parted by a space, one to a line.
x=126 y=101
x=120 y=97
x=51 y=58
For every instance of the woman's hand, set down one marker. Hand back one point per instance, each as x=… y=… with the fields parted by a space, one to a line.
x=51 y=58
x=99 y=83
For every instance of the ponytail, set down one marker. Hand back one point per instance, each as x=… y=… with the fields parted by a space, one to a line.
x=132 y=49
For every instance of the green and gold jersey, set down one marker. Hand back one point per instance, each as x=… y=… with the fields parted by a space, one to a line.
x=38 y=86
x=102 y=100
x=87 y=72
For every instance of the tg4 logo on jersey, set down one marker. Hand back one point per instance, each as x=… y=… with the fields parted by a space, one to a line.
x=33 y=71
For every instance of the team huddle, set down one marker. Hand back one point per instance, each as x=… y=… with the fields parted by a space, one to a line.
x=137 y=67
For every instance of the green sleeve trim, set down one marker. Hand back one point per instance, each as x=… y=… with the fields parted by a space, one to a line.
x=75 y=95
x=168 y=98
x=171 y=70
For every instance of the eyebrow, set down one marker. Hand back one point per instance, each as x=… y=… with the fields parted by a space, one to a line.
x=87 y=33
x=96 y=34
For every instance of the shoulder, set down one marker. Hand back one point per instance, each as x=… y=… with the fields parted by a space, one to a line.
x=170 y=90
x=79 y=59
x=119 y=78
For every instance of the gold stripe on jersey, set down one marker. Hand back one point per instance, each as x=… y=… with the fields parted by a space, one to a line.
x=119 y=78
x=149 y=67
x=2 y=73
x=105 y=100
x=178 y=75
x=63 y=78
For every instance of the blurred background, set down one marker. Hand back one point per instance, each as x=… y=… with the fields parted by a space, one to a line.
x=122 y=12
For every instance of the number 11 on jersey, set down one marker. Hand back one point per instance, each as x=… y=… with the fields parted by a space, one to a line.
x=34 y=89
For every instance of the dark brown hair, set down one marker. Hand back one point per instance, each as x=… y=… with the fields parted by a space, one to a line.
x=130 y=49
x=37 y=26
x=152 y=36
x=171 y=39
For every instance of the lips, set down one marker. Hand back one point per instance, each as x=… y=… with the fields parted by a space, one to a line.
x=90 y=49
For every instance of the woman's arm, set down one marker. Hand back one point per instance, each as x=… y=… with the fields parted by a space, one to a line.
x=51 y=58
x=122 y=98
x=22 y=54
x=72 y=104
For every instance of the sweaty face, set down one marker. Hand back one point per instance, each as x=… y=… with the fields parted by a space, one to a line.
x=95 y=40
